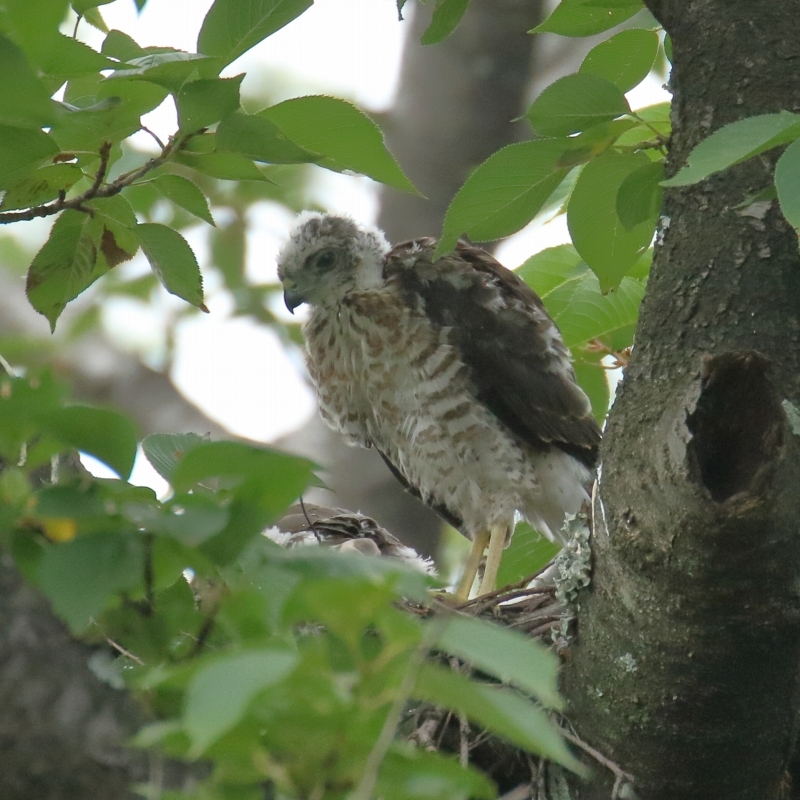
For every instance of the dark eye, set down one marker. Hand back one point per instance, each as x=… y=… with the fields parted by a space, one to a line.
x=325 y=260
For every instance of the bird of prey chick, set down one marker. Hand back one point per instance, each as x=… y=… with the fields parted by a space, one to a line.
x=452 y=370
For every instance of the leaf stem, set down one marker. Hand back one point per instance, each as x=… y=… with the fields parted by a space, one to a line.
x=659 y=138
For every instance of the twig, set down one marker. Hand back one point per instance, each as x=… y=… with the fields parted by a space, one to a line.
x=443 y=730
x=100 y=176
x=98 y=189
x=659 y=138
x=622 y=357
x=463 y=741
x=483 y=598
x=202 y=636
x=620 y=776
x=120 y=649
x=310 y=523
x=158 y=141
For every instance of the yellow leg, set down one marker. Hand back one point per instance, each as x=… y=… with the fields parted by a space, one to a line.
x=497 y=542
x=471 y=569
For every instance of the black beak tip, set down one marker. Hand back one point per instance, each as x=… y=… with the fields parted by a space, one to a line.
x=292 y=299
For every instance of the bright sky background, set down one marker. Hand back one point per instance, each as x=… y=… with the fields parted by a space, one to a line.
x=236 y=371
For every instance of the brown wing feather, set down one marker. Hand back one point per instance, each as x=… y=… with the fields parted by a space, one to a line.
x=519 y=365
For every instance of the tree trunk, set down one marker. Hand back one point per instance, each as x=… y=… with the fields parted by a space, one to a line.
x=455 y=106
x=62 y=732
x=685 y=669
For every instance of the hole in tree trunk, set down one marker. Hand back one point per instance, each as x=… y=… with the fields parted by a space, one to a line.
x=736 y=426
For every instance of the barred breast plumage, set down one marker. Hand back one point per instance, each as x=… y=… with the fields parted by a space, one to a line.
x=452 y=370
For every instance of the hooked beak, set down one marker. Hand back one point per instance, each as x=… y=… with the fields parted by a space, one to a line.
x=291 y=296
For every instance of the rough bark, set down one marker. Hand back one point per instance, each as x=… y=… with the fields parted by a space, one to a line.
x=62 y=731
x=685 y=669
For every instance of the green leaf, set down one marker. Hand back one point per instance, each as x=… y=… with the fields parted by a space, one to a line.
x=571 y=293
x=574 y=103
x=550 y=268
x=597 y=232
x=114 y=221
x=21 y=401
x=41 y=187
x=24 y=99
x=64 y=267
x=119 y=45
x=111 y=120
x=446 y=16
x=173 y=261
x=95 y=19
x=787 y=182
x=186 y=194
x=33 y=32
x=218 y=695
x=410 y=772
x=589 y=314
x=504 y=193
x=590 y=143
x=67 y=58
x=22 y=150
x=273 y=479
x=587 y=17
x=319 y=564
x=257 y=138
x=640 y=194
x=735 y=143
x=93 y=94
x=82 y=6
x=81 y=577
x=170 y=70
x=223 y=166
x=204 y=102
x=528 y=552
x=232 y=27
x=657 y=125
x=625 y=59
x=190 y=519
x=69 y=501
x=346 y=137
x=501 y=711
x=107 y=435
x=506 y=654
x=165 y=450
x=592 y=377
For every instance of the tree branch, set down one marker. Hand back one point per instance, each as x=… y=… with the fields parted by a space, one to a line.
x=98 y=189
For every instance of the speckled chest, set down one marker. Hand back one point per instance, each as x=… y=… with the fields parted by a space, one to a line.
x=387 y=377
x=376 y=364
